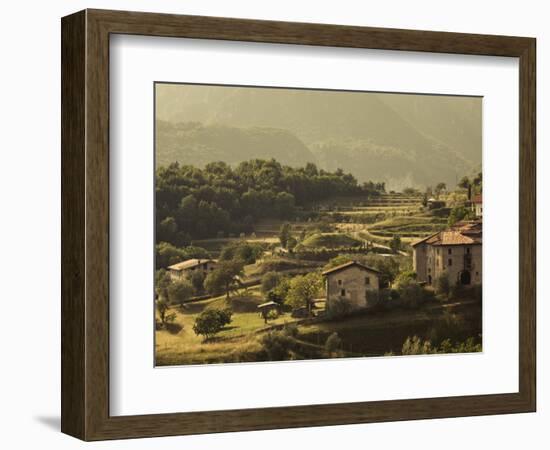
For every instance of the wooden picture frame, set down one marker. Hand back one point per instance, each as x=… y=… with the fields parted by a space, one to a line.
x=85 y=224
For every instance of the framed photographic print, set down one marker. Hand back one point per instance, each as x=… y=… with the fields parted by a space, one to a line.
x=271 y=224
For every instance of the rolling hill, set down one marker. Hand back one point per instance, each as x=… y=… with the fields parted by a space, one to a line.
x=404 y=140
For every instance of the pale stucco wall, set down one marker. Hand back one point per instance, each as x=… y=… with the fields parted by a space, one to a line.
x=187 y=273
x=352 y=281
x=432 y=261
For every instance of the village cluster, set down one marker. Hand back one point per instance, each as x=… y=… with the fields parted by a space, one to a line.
x=455 y=252
x=279 y=306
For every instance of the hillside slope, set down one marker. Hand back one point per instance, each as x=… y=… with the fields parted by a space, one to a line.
x=401 y=139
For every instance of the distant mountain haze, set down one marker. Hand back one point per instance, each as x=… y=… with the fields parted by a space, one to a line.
x=404 y=140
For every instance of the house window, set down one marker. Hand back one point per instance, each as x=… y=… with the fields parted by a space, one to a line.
x=339 y=282
x=450 y=262
x=367 y=280
x=450 y=251
x=343 y=292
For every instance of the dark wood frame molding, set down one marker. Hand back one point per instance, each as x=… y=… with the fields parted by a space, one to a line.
x=85 y=224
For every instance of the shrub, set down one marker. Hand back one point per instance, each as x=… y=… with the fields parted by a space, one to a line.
x=456 y=291
x=277 y=345
x=443 y=285
x=468 y=346
x=416 y=346
x=272 y=314
x=339 y=307
x=291 y=330
x=333 y=344
x=405 y=277
x=412 y=295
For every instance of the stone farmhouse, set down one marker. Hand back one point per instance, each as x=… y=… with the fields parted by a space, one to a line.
x=456 y=252
x=351 y=282
x=186 y=268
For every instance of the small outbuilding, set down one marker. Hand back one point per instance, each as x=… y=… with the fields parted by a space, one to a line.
x=266 y=308
x=351 y=282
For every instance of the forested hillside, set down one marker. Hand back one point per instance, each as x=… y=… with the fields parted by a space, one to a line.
x=194 y=203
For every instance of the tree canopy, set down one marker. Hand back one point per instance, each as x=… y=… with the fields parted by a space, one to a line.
x=194 y=203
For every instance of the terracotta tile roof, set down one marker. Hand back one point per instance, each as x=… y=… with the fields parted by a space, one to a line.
x=349 y=264
x=188 y=264
x=462 y=233
x=424 y=239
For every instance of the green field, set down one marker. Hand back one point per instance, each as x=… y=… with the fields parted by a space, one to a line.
x=366 y=334
x=330 y=240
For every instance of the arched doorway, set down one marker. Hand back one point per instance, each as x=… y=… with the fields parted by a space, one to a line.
x=465 y=277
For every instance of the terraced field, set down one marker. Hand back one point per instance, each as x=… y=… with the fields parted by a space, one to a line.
x=385 y=216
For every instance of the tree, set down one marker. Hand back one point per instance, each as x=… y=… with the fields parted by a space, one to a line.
x=410 y=191
x=478 y=182
x=303 y=290
x=465 y=183
x=405 y=277
x=279 y=293
x=162 y=308
x=439 y=188
x=270 y=280
x=457 y=214
x=162 y=282
x=168 y=254
x=284 y=205
x=180 y=291
x=210 y=322
x=224 y=278
x=167 y=229
x=395 y=243
x=333 y=344
x=242 y=250
x=197 y=280
x=284 y=234
x=443 y=285
x=164 y=312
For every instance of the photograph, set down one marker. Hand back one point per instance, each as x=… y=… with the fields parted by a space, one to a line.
x=303 y=224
